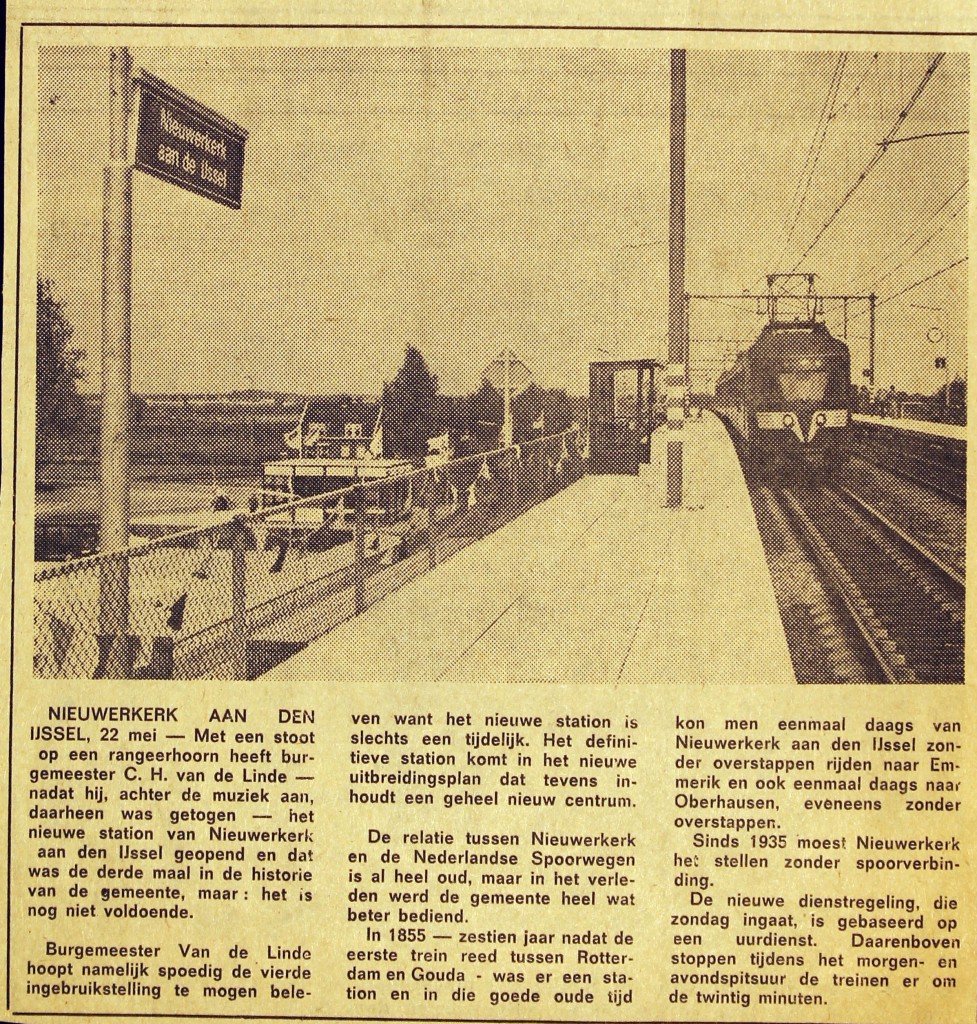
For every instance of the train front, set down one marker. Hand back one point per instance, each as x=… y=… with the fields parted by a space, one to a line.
x=799 y=387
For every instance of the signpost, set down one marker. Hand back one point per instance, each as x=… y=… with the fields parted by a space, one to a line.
x=113 y=615
x=511 y=376
x=183 y=142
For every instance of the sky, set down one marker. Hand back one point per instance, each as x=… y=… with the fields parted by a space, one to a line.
x=463 y=200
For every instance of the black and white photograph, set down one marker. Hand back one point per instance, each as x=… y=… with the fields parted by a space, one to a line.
x=515 y=363
x=486 y=492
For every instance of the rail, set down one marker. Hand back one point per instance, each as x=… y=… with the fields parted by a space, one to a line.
x=229 y=599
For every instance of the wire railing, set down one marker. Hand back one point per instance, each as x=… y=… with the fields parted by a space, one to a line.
x=235 y=597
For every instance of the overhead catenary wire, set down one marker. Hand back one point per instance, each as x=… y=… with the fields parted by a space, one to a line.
x=921 y=281
x=910 y=287
x=925 y=135
x=919 y=248
x=821 y=127
x=874 y=159
x=925 y=223
x=873 y=60
x=814 y=152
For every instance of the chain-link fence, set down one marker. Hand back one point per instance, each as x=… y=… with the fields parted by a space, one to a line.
x=234 y=598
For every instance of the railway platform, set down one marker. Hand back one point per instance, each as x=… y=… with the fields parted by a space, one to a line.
x=601 y=583
x=950 y=431
x=933 y=453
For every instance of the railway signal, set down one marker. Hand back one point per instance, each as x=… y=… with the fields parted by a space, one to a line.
x=935 y=336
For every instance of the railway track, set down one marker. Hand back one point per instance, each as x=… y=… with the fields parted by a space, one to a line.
x=884 y=605
x=937 y=523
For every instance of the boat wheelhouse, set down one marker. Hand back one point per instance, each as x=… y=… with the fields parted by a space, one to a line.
x=328 y=464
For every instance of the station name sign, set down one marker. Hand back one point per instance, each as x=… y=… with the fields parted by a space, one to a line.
x=181 y=141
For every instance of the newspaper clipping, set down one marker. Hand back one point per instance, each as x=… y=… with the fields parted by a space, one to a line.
x=484 y=509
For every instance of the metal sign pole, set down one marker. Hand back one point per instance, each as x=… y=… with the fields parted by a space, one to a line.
x=871 y=340
x=507 y=431
x=116 y=369
x=677 y=338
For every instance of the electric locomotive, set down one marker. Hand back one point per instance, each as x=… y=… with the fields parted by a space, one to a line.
x=787 y=398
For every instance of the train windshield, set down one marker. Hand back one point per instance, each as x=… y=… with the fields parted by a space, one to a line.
x=803 y=386
x=802 y=370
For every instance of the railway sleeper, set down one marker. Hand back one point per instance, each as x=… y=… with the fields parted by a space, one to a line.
x=805 y=595
x=889 y=655
x=890 y=550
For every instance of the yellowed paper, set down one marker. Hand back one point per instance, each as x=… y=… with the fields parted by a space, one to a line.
x=503 y=732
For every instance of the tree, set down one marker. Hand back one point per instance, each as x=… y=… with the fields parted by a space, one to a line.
x=408 y=408
x=59 y=405
x=535 y=411
x=487 y=409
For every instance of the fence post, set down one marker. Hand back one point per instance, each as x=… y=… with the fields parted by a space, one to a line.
x=117 y=646
x=359 y=559
x=421 y=527
x=432 y=545
x=239 y=640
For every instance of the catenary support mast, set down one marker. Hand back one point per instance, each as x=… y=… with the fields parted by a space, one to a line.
x=677 y=326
